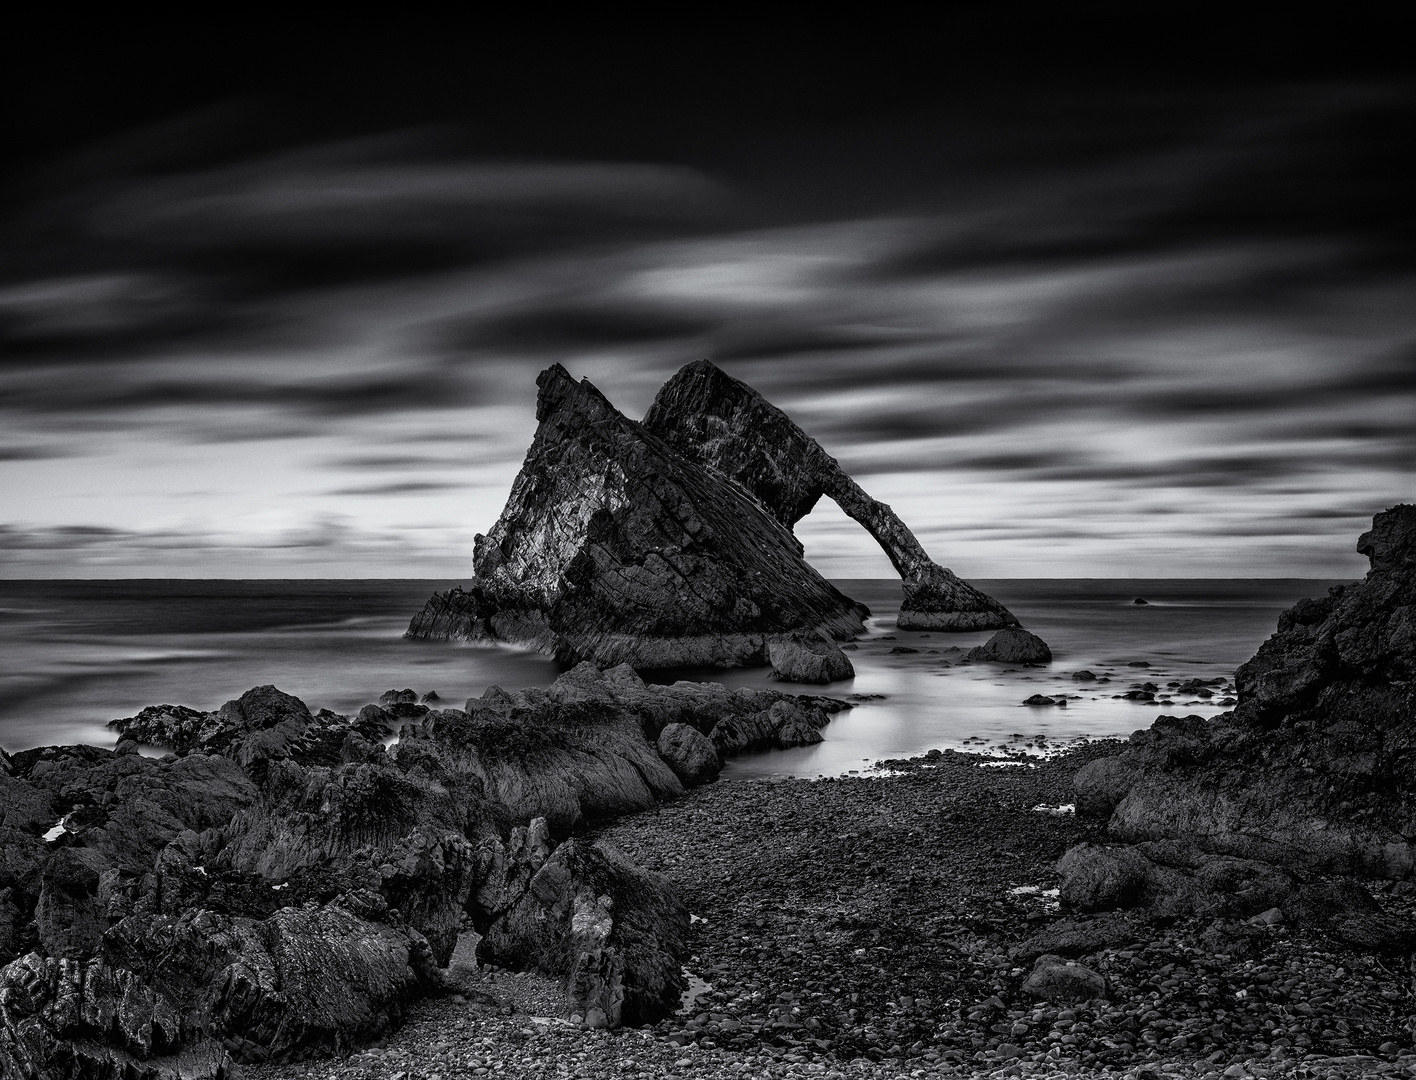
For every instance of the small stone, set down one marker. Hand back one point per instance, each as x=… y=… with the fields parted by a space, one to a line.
x=1056 y=979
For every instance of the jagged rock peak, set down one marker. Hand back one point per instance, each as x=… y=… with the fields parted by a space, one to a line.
x=616 y=548
x=725 y=425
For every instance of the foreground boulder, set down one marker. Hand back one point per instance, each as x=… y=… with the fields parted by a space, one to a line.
x=1314 y=768
x=612 y=929
x=689 y=753
x=1054 y=978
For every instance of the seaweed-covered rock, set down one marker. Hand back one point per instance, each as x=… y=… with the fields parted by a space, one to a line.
x=616 y=548
x=285 y=883
x=587 y=746
x=263 y=724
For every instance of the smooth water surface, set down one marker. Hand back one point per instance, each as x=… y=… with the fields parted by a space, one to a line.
x=75 y=654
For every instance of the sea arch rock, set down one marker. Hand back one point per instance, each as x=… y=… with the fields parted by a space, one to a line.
x=669 y=543
x=724 y=424
x=614 y=547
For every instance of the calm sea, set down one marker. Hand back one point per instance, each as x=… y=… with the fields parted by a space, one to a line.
x=76 y=654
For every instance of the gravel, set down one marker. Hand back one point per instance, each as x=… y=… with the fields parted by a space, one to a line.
x=866 y=926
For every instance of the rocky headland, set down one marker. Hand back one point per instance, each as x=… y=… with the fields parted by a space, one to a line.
x=668 y=543
x=1314 y=770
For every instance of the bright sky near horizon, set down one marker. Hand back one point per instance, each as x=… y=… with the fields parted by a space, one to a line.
x=1106 y=332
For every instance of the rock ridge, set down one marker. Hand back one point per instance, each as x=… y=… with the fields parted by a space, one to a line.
x=727 y=426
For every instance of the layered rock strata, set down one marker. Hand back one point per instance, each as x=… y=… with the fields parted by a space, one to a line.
x=722 y=423
x=614 y=547
x=669 y=544
x=1314 y=771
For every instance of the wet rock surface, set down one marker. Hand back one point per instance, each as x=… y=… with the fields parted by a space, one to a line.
x=888 y=926
x=291 y=888
x=808 y=658
x=1012 y=646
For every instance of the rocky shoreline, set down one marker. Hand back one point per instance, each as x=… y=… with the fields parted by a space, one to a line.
x=541 y=867
x=889 y=925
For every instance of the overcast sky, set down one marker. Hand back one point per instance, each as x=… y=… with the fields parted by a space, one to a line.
x=1066 y=326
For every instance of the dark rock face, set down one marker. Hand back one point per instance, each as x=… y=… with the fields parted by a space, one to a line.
x=616 y=930
x=1012 y=647
x=1171 y=879
x=616 y=548
x=286 y=888
x=722 y=423
x=808 y=658
x=1315 y=767
x=1314 y=770
x=586 y=746
x=689 y=753
x=669 y=544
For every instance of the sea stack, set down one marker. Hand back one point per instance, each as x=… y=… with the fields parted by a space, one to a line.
x=669 y=543
x=614 y=547
x=724 y=424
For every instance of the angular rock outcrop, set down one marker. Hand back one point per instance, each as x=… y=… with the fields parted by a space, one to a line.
x=613 y=929
x=587 y=746
x=1315 y=768
x=614 y=547
x=669 y=543
x=722 y=423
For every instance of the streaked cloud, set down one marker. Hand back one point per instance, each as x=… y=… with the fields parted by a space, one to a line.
x=1173 y=336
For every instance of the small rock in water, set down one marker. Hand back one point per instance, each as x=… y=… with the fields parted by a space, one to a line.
x=1013 y=646
x=809 y=657
x=1083 y=676
x=1040 y=699
x=1138 y=600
